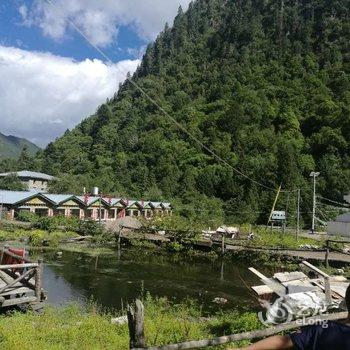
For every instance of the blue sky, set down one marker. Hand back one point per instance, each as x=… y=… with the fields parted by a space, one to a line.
x=51 y=78
x=14 y=33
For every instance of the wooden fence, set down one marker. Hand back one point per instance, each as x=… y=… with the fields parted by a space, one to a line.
x=20 y=282
x=329 y=248
x=138 y=336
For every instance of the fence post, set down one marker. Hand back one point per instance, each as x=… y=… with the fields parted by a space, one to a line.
x=327 y=291
x=38 y=280
x=223 y=244
x=136 y=325
x=327 y=254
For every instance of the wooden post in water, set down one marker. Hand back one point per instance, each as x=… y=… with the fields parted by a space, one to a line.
x=136 y=325
x=327 y=254
x=223 y=244
x=222 y=270
x=38 y=280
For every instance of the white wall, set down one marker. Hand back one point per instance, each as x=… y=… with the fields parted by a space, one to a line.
x=338 y=228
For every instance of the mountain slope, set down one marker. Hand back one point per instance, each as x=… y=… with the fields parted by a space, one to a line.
x=264 y=84
x=12 y=146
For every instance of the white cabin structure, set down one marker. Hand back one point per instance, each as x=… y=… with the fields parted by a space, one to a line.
x=341 y=225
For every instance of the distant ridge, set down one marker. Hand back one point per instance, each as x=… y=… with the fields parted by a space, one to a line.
x=11 y=146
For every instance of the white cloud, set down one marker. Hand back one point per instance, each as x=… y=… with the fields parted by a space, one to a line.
x=100 y=20
x=41 y=95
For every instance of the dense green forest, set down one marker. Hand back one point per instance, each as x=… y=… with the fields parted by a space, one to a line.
x=265 y=84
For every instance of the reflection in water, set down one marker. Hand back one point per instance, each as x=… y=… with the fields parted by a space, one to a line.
x=59 y=291
x=114 y=280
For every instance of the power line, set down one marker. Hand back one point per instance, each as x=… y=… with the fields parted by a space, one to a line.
x=330 y=200
x=179 y=125
x=331 y=207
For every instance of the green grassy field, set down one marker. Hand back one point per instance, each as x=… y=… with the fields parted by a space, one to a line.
x=72 y=327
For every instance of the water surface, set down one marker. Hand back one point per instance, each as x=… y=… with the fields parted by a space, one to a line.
x=113 y=280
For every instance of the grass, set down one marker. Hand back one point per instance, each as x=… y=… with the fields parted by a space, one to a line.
x=35 y=237
x=275 y=239
x=287 y=240
x=83 y=248
x=75 y=328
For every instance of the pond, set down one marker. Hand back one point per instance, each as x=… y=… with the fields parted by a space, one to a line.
x=113 y=280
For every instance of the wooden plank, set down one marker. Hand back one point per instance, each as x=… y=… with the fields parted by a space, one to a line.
x=17 y=285
x=314 y=268
x=5 y=278
x=17 y=280
x=257 y=273
x=17 y=266
x=277 y=287
x=30 y=283
x=300 y=286
x=320 y=284
x=14 y=291
x=273 y=284
x=339 y=279
x=262 y=290
x=196 y=344
x=289 y=276
x=18 y=301
x=340 y=289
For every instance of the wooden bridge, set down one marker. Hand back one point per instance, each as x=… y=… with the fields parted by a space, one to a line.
x=20 y=280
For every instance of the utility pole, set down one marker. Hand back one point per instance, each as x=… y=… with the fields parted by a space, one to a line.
x=314 y=175
x=1 y=207
x=274 y=204
x=96 y=192
x=100 y=209
x=298 y=215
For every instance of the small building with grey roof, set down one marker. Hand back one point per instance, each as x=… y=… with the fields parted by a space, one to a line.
x=341 y=225
x=33 y=181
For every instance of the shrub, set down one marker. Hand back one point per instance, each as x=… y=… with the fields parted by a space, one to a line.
x=36 y=238
x=47 y=224
x=175 y=247
x=27 y=216
x=90 y=228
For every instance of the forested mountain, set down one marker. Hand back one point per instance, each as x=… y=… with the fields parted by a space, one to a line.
x=12 y=146
x=265 y=84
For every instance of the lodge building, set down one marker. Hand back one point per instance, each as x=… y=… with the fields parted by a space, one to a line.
x=82 y=207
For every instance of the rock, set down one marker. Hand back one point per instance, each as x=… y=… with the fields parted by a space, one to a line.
x=120 y=320
x=220 y=301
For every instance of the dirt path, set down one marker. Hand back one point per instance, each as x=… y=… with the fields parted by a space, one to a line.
x=312 y=255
